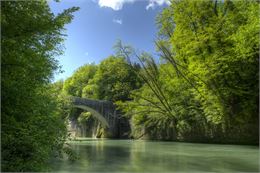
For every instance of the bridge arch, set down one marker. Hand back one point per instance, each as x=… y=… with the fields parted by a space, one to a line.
x=95 y=114
x=106 y=113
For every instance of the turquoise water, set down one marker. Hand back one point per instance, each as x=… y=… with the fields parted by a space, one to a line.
x=103 y=155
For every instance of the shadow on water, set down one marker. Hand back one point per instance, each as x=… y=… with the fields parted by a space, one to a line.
x=147 y=156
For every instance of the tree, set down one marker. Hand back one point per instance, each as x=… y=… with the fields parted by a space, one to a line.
x=32 y=129
x=75 y=84
x=115 y=79
x=205 y=49
x=207 y=80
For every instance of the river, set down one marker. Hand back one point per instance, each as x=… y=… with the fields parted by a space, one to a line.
x=104 y=155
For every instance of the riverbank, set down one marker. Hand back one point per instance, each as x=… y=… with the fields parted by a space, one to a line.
x=156 y=140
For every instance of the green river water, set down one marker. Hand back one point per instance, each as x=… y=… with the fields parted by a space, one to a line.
x=104 y=155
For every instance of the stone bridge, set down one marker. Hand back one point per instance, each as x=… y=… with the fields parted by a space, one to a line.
x=104 y=111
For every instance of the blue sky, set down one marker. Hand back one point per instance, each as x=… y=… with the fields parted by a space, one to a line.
x=99 y=23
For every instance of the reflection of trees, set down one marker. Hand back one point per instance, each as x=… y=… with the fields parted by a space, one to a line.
x=112 y=157
x=101 y=156
x=137 y=152
x=146 y=156
x=155 y=157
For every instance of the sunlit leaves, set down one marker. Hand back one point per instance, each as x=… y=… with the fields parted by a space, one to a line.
x=32 y=127
x=80 y=79
x=208 y=76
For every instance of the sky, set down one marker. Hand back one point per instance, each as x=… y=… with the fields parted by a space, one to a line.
x=100 y=23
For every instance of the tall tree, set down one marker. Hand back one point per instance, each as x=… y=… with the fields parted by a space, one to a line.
x=31 y=128
x=207 y=81
x=214 y=45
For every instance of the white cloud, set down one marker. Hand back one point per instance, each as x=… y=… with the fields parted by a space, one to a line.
x=86 y=53
x=118 y=4
x=118 y=21
x=153 y=3
x=114 y=4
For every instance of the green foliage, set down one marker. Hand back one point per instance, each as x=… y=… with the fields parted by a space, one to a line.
x=115 y=79
x=83 y=117
x=32 y=128
x=206 y=85
x=72 y=156
x=79 y=80
x=112 y=79
x=228 y=73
